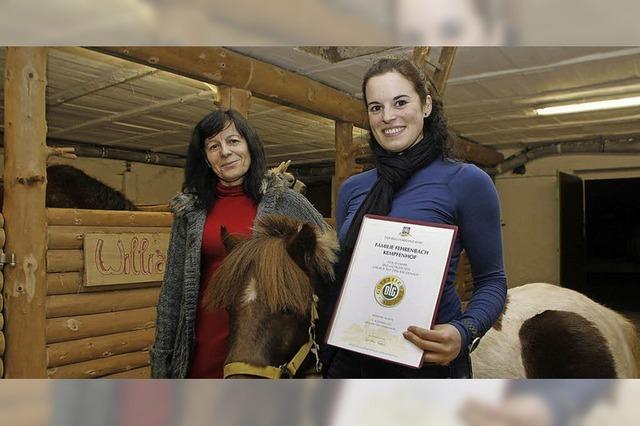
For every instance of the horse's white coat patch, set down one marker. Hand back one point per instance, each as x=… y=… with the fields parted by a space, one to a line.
x=499 y=353
x=250 y=294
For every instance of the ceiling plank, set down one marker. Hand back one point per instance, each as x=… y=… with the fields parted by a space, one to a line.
x=111 y=79
x=141 y=110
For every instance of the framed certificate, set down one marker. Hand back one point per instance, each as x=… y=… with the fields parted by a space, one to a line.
x=394 y=280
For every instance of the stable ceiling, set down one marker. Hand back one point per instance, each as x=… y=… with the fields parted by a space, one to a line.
x=99 y=99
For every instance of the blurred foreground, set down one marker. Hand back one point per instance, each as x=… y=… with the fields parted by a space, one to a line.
x=320 y=22
x=313 y=402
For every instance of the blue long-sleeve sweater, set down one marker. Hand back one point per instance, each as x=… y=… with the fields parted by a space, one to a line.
x=457 y=194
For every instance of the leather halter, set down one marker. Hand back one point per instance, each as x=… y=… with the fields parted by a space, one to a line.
x=287 y=370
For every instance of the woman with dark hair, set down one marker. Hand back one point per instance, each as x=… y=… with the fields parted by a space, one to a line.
x=416 y=179
x=225 y=185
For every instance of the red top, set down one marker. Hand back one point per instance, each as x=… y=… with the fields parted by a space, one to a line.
x=236 y=211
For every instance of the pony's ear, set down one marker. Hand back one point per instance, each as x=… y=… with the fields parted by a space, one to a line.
x=229 y=241
x=302 y=246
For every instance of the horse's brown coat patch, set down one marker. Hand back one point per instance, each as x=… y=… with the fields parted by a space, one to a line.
x=562 y=344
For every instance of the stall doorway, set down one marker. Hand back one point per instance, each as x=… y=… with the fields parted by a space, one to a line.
x=600 y=246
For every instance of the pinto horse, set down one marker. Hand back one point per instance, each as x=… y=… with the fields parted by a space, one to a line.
x=547 y=331
x=270 y=285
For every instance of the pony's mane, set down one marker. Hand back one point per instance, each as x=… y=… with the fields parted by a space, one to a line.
x=279 y=282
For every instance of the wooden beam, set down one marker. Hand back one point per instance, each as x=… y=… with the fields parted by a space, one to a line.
x=345 y=159
x=25 y=155
x=222 y=66
x=445 y=64
x=89 y=348
x=136 y=373
x=238 y=99
x=475 y=153
x=100 y=367
x=76 y=217
x=421 y=57
x=66 y=305
x=65 y=260
x=72 y=283
x=127 y=154
x=72 y=237
x=81 y=326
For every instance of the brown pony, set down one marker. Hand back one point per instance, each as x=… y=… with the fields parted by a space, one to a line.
x=270 y=286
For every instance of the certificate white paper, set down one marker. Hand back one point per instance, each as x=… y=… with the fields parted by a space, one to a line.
x=394 y=280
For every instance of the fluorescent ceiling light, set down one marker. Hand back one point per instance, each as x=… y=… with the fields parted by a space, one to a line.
x=589 y=106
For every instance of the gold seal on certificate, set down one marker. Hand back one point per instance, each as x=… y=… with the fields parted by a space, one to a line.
x=394 y=280
x=389 y=291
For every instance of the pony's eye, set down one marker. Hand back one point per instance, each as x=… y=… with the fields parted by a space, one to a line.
x=286 y=311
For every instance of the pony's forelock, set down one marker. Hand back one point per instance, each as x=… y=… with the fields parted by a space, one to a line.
x=279 y=282
x=325 y=254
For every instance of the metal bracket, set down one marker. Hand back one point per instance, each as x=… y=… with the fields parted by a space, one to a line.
x=4 y=261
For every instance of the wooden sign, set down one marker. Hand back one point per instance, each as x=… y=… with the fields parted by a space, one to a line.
x=111 y=259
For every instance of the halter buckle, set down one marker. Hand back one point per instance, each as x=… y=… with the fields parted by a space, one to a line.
x=284 y=372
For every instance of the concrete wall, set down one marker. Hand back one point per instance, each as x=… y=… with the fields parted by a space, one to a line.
x=529 y=205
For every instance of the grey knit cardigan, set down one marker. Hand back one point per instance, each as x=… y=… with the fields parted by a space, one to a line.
x=175 y=325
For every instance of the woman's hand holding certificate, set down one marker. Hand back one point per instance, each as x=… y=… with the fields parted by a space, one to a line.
x=441 y=345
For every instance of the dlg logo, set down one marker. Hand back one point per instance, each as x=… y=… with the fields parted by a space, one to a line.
x=389 y=291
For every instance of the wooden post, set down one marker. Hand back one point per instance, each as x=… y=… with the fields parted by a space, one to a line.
x=421 y=57
x=345 y=159
x=445 y=63
x=238 y=99
x=25 y=158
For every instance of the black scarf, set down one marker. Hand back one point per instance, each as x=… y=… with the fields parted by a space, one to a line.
x=394 y=170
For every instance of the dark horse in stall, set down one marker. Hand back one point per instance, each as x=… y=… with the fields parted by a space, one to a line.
x=69 y=187
x=270 y=284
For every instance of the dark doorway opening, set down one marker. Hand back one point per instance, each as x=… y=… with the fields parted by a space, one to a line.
x=319 y=194
x=612 y=235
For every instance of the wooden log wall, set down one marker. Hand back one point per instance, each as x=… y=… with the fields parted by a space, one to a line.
x=2 y=339
x=98 y=331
